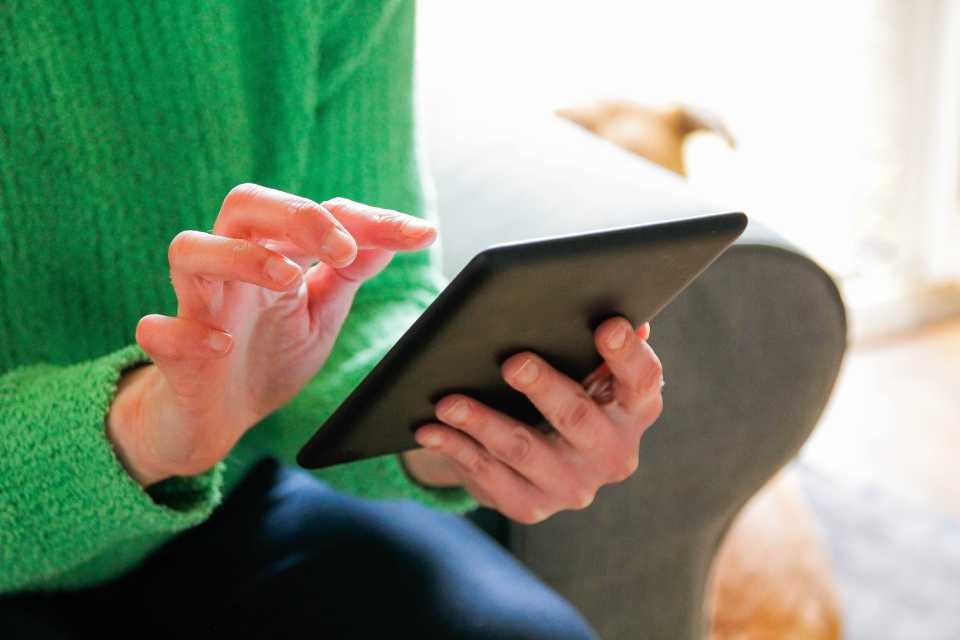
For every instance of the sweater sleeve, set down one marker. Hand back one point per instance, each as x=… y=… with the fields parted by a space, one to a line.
x=65 y=498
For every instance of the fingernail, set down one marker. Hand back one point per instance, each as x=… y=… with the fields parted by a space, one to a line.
x=338 y=245
x=415 y=227
x=218 y=341
x=281 y=270
x=458 y=411
x=616 y=338
x=429 y=439
x=527 y=372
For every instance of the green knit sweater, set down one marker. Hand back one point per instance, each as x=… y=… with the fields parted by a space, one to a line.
x=122 y=123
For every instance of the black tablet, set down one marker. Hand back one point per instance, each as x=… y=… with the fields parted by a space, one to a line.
x=547 y=296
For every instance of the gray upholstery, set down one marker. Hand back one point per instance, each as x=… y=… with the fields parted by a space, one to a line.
x=750 y=353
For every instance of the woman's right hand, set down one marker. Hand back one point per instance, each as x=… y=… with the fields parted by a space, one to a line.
x=255 y=322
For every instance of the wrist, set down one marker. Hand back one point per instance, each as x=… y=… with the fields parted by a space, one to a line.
x=125 y=424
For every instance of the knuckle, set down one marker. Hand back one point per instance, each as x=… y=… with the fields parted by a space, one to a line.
x=530 y=515
x=338 y=201
x=479 y=463
x=299 y=206
x=656 y=410
x=182 y=245
x=518 y=449
x=582 y=498
x=525 y=518
x=575 y=416
x=653 y=374
x=241 y=250
x=243 y=192
x=626 y=466
x=648 y=417
x=650 y=411
x=394 y=219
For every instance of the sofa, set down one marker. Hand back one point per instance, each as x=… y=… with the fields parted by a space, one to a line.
x=750 y=352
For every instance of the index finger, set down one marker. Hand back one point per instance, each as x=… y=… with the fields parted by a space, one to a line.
x=375 y=227
x=252 y=211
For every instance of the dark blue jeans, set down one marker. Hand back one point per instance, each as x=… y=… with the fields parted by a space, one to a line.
x=287 y=556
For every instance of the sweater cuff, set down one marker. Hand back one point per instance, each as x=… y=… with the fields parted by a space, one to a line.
x=66 y=496
x=176 y=502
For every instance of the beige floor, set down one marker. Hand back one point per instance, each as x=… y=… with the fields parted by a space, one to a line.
x=894 y=418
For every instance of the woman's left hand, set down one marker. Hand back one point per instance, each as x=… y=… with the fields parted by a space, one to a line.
x=528 y=475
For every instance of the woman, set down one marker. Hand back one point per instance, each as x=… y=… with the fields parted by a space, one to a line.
x=145 y=460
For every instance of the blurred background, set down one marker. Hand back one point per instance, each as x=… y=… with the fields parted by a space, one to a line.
x=845 y=113
x=845 y=124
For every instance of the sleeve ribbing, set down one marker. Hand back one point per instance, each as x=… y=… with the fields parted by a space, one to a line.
x=65 y=498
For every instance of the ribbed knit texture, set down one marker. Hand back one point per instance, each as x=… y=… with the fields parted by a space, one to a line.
x=121 y=124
